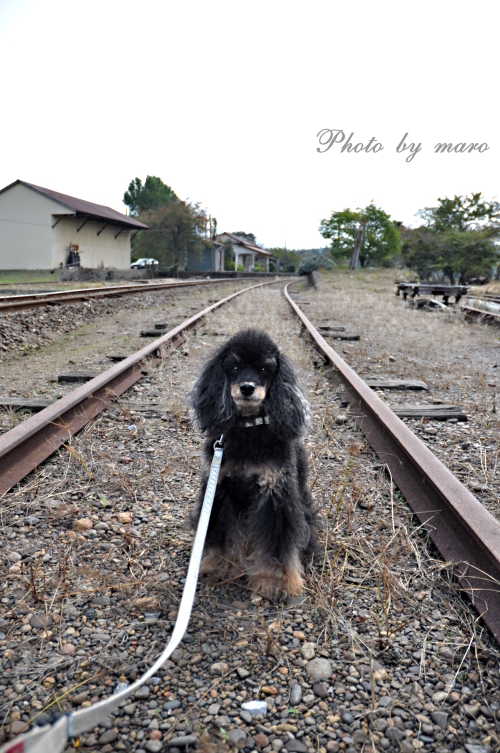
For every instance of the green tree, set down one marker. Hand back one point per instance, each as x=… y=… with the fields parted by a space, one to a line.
x=368 y=236
x=288 y=259
x=176 y=234
x=457 y=239
x=463 y=213
x=153 y=194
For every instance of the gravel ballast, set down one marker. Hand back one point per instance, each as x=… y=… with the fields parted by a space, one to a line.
x=380 y=654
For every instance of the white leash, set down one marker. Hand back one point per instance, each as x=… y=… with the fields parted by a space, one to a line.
x=54 y=738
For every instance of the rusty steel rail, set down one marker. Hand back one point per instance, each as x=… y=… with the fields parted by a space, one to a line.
x=10 y=303
x=464 y=532
x=28 y=444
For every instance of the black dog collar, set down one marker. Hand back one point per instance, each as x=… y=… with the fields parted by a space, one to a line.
x=257 y=421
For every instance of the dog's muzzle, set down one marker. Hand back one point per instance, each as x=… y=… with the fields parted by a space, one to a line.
x=247 y=397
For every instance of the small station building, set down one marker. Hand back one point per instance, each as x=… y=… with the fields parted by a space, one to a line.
x=45 y=229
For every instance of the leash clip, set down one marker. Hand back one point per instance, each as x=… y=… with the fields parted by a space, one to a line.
x=219 y=442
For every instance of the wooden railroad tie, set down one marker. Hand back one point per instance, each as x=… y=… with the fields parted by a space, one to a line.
x=441 y=412
x=396 y=384
x=434 y=412
x=77 y=376
x=35 y=405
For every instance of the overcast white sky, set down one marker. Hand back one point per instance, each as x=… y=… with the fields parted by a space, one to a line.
x=224 y=101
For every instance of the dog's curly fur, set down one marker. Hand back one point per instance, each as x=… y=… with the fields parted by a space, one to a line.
x=263 y=521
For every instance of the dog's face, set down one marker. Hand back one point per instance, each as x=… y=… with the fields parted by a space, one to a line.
x=250 y=378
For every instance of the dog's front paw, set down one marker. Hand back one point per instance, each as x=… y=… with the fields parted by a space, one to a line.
x=277 y=584
x=219 y=567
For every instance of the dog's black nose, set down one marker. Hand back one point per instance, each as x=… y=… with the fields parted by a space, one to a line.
x=247 y=389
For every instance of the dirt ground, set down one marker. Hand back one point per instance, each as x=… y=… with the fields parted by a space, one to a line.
x=381 y=654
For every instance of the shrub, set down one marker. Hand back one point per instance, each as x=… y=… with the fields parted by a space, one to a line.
x=314 y=262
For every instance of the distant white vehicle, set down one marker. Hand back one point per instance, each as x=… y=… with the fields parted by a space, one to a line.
x=141 y=263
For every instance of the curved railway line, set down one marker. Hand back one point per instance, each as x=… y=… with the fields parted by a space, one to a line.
x=465 y=533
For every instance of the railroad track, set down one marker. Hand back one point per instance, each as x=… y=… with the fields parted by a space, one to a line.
x=462 y=530
x=30 y=443
x=11 y=303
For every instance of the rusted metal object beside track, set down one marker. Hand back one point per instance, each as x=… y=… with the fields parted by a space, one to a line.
x=11 y=303
x=464 y=532
x=24 y=447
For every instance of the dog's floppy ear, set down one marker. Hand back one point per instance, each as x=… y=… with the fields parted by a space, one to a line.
x=210 y=397
x=286 y=404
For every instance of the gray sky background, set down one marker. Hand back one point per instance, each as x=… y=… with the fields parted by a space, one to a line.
x=224 y=100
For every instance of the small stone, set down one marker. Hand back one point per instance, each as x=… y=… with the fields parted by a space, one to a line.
x=308 y=651
x=142 y=692
x=430 y=430
x=340 y=419
x=237 y=737
x=295 y=695
x=214 y=709
x=276 y=745
x=84 y=524
x=154 y=746
x=219 y=668
x=125 y=518
x=78 y=699
x=296 y=746
x=68 y=649
x=299 y=635
x=261 y=740
x=125 y=459
x=171 y=705
x=41 y=622
x=439 y=697
x=319 y=670
x=246 y=716
x=14 y=557
x=320 y=691
x=243 y=673
x=440 y=718
x=108 y=737
x=255 y=707
x=487 y=712
x=269 y=690
x=394 y=734
x=17 y=727
x=129 y=709
x=155 y=734
x=182 y=741
x=472 y=748
x=471 y=711
x=384 y=701
x=380 y=675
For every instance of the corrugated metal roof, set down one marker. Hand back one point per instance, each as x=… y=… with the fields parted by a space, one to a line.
x=82 y=207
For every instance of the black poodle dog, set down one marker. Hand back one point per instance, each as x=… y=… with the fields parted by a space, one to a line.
x=263 y=521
